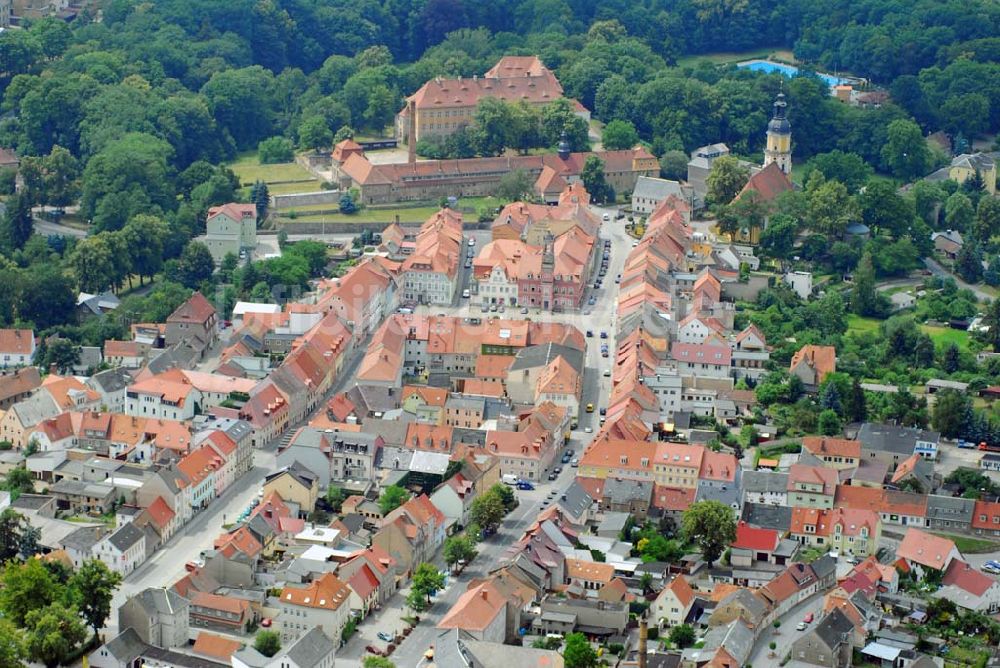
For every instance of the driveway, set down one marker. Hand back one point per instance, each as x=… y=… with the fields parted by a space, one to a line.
x=936 y=269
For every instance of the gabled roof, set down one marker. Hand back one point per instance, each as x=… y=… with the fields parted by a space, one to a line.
x=822 y=359
x=17 y=341
x=327 y=592
x=926 y=549
x=751 y=538
x=196 y=309
x=960 y=574
x=832 y=447
x=475 y=609
x=768 y=183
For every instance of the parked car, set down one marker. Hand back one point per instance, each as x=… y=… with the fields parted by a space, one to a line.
x=524 y=310
x=382 y=635
x=604 y=334
x=606 y=217
x=802 y=626
x=607 y=373
x=575 y=462
x=590 y=333
x=592 y=300
x=604 y=411
x=808 y=619
x=465 y=293
x=525 y=485
x=557 y=470
x=472 y=241
x=589 y=429
x=553 y=475
x=590 y=408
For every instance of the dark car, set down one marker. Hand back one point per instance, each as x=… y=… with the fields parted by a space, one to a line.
x=553 y=475
x=604 y=335
x=604 y=411
x=557 y=470
x=590 y=332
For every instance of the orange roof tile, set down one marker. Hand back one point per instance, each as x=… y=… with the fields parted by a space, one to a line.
x=217 y=647
x=327 y=592
x=823 y=359
x=832 y=447
x=16 y=341
x=926 y=549
x=475 y=609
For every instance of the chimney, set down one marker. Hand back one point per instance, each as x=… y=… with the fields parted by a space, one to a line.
x=483 y=594
x=411 y=140
x=643 y=635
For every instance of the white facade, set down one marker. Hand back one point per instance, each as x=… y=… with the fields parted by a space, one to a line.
x=296 y=620
x=801 y=283
x=153 y=405
x=117 y=560
x=693 y=331
x=496 y=288
x=667 y=386
x=428 y=287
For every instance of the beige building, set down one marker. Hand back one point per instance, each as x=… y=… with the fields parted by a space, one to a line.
x=322 y=603
x=231 y=228
x=294 y=483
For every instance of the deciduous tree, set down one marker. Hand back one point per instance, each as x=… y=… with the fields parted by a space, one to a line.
x=267 y=642
x=711 y=525
x=91 y=589
x=726 y=179
x=578 y=652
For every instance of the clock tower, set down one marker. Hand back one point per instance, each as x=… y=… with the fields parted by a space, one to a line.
x=779 y=137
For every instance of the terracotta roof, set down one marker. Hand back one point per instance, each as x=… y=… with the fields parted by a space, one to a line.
x=228 y=604
x=199 y=464
x=925 y=549
x=682 y=590
x=431 y=396
x=867 y=498
x=801 y=473
x=967 y=578
x=217 y=647
x=594 y=487
x=823 y=521
x=196 y=309
x=234 y=210
x=114 y=348
x=720 y=466
x=768 y=183
x=906 y=467
x=591 y=571
x=19 y=382
x=160 y=513
x=834 y=447
x=327 y=592
x=16 y=341
x=363 y=582
x=701 y=353
x=475 y=609
x=535 y=85
x=823 y=359
x=673 y=498
x=751 y=538
x=986 y=515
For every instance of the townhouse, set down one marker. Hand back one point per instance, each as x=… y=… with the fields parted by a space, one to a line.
x=411 y=534
x=323 y=603
x=836 y=453
x=429 y=274
x=846 y=530
x=17 y=347
x=811 y=486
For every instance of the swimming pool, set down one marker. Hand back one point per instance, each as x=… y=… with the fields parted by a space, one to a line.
x=789 y=71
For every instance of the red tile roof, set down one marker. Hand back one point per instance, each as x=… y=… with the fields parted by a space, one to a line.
x=986 y=515
x=967 y=578
x=196 y=309
x=833 y=447
x=160 y=513
x=751 y=538
x=16 y=341
x=925 y=549
x=823 y=359
x=768 y=183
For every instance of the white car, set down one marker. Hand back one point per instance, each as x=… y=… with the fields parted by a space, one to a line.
x=802 y=626
x=472 y=241
x=465 y=294
x=607 y=217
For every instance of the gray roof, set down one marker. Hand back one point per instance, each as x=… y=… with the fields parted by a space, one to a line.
x=395 y=458
x=311 y=648
x=977 y=161
x=298 y=471
x=949 y=508
x=735 y=637
x=126 y=537
x=126 y=647
x=623 y=490
x=656 y=189
x=834 y=628
x=178 y=660
x=373 y=398
x=393 y=432
x=824 y=567
x=251 y=657
x=727 y=494
x=39 y=406
x=466 y=402
x=749 y=602
x=84 y=538
x=536 y=356
x=31 y=501
x=575 y=500
x=613 y=522
x=180 y=356
x=97 y=490
x=767 y=516
x=765 y=481
x=892 y=438
x=429 y=462
x=111 y=380
x=97 y=304
x=161 y=601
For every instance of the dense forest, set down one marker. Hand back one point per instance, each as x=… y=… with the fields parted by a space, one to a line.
x=131 y=109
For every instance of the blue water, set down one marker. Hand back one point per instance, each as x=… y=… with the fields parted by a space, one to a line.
x=788 y=70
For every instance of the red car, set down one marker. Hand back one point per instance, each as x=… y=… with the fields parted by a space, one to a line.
x=808 y=618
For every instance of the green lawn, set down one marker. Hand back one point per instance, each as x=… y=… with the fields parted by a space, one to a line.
x=416 y=214
x=248 y=168
x=858 y=324
x=947 y=335
x=969 y=545
x=725 y=57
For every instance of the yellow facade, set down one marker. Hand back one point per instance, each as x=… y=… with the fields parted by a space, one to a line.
x=960 y=174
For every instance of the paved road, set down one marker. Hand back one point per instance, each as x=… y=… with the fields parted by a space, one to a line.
x=936 y=269
x=784 y=636
x=410 y=652
x=48 y=228
x=166 y=566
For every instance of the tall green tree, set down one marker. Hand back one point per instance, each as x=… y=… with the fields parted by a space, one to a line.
x=18 y=224
x=619 y=135
x=459 y=548
x=578 y=652
x=949 y=413
x=710 y=524
x=392 y=497
x=487 y=511
x=831 y=208
x=26 y=587
x=267 y=642
x=594 y=181
x=93 y=264
x=53 y=634
x=726 y=179
x=969 y=263
x=195 y=264
x=11 y=645
x=91 y=588
x=426 y=579
x=314 y=133
x=12 y=526
x=864 y=299
x=905 y=150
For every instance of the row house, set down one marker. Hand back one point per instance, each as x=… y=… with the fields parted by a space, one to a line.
x=123 y=550
x=322 y=603
x=201 y=468
x=333 y=454
x=412 y=533
x=430 y=273
x=847 y=530
x=17 y=347
x=371 y=575
x=835 y=453
x=166 y=396
x=750 y=353
x=362 y=297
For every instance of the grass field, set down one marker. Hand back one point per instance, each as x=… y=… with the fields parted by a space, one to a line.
x=725 y=57
x=967 y=544
x=858 y=324
x=248 y=168
x=947 y=335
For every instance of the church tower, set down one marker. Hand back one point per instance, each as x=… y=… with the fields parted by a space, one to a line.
x=779 y=138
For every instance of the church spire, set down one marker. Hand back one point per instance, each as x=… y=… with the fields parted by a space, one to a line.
x=779 y=137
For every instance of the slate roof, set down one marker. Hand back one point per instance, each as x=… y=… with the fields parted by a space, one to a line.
x=126 y=646
x=832 y=628
x=952 y=508
x=112 y=380
x=624 y=490
x=767 y=516
x=126 y=537
x=161 y=601
x=764 y=481
x=543 y=355
x=311 y=648
x=84 y=538
x=891 y=438
x=575 y=501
